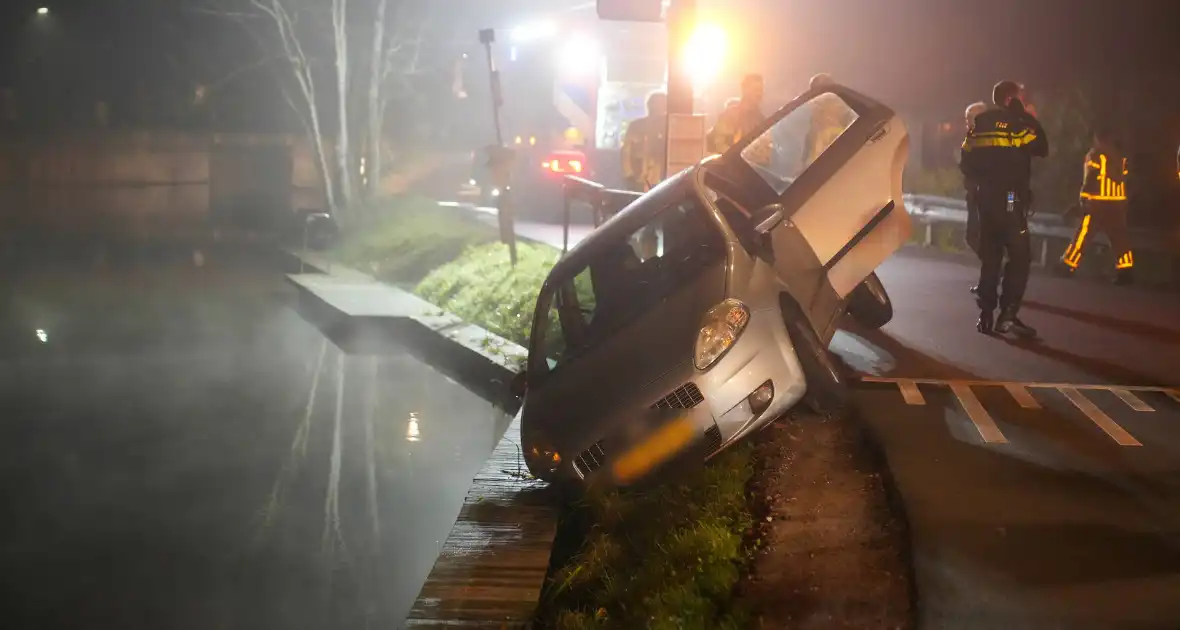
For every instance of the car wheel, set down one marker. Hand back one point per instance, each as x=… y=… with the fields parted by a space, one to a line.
x=827 y=391
x=869 y=304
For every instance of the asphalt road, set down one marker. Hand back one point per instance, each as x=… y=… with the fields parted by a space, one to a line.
x=1032 y=504
x=179 y=449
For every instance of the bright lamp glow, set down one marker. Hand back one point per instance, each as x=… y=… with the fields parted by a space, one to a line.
x=43 y=11
x=705 y=53
x=580 y=55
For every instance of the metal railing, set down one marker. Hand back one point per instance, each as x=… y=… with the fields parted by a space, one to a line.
x=929 y=210
x=604 y=202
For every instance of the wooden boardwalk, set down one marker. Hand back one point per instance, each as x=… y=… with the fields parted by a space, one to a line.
x=493 y=564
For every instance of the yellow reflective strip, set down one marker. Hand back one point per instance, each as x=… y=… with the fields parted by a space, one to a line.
x=1093 y=164
x=1074 y=252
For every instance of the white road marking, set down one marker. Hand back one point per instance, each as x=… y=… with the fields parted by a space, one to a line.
x=1031 y=385
x=1099 y=417
x=1022 y=396
x=983 y=421
x=1133 y=401
x=911 y=393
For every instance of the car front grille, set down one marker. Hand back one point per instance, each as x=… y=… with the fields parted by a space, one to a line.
x=686 y=396
x=591 y=459
x=712 y=441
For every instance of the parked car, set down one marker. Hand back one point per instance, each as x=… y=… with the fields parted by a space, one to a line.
x=704 y=309
x=536 y=179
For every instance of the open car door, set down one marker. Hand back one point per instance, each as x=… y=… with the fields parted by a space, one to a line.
x=832 y=160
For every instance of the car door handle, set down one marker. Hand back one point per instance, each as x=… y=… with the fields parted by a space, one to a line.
x=882 y=129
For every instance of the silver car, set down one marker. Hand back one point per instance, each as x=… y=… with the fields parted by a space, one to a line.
x=704 y=310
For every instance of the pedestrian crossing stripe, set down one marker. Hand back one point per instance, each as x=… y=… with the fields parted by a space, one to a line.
x=1171 y=392
x=990 y=431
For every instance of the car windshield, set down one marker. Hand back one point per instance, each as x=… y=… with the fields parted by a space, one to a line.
x=771 y=163
x=630 y=277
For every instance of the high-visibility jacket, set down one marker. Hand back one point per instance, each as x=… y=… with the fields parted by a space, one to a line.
x=829 y=118
x=735 y=123
x=1104 y=177
x=644 y=148
x=997 y=153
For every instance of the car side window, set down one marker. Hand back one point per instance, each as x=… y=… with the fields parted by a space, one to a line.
x=629 y=278
x=792 y=144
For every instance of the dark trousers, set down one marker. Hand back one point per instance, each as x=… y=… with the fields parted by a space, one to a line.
x=1002 y=232
x=972 y=222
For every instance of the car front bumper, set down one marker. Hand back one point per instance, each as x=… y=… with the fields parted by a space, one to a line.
x=715 y=403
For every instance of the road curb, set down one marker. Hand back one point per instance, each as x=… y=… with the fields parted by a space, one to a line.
x=477 y=358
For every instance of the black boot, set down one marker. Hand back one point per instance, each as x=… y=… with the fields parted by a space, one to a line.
x=1009 y=323
x=986 y=323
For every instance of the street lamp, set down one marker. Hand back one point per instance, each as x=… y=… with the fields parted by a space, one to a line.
x=43 y=11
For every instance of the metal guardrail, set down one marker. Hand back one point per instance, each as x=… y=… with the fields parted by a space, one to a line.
x=930 y=210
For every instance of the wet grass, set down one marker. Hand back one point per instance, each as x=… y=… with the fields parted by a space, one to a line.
x=407 y=237
x=481 y=286
x=662 y=557
x=667 y=557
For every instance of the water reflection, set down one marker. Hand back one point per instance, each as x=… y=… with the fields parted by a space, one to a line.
x=190 y=453
x=412 y=432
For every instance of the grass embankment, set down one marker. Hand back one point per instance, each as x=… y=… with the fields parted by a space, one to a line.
x=662 y=558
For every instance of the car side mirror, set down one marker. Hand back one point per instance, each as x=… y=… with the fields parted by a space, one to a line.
x=518 y=385
x=768 y=218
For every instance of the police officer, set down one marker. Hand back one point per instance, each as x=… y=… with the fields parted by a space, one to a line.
x=644 y=145
x=738 y=119
x=1103 y=199
x=972 y=112
x=997 y=156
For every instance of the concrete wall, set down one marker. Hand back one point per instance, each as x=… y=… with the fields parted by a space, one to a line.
x=141 y=183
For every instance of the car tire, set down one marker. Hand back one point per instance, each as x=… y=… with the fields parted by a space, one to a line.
x=869 y=303
x=827 y=390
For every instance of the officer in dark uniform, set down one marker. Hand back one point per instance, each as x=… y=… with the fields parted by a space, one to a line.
x=997 y=155
x=1103 y=200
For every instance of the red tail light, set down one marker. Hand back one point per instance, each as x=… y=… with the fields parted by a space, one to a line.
x=565 y=162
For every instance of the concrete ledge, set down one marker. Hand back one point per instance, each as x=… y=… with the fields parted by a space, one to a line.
x=350 y=304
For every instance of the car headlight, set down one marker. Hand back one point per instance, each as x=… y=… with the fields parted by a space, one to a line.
x=722 y=326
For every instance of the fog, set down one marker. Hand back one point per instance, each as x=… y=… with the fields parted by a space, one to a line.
x=181 y=449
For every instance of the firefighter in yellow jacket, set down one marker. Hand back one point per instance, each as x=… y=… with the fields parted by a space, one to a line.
x=1103 y=200
x=739 y=119
x=644 y=145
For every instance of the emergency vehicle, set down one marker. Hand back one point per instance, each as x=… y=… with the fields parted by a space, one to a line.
x=571 y=87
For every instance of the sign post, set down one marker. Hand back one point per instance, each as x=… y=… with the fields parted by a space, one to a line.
x=500 y=157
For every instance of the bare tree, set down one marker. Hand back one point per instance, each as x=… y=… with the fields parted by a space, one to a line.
x=343 y=146
x=285 y=24
x=376 y=68
x=395 y=62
